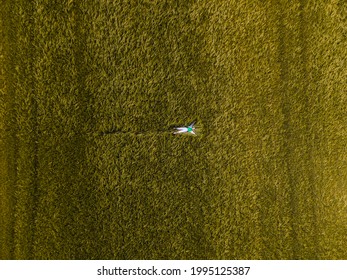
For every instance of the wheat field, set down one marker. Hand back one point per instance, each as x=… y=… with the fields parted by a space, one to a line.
x=90 y=94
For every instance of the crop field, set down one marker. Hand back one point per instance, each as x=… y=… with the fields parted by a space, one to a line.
x=91 y=92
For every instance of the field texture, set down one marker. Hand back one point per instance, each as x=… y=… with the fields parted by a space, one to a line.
x=90 y=93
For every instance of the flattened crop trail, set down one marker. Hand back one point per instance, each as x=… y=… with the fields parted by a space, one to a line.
x=149 y=132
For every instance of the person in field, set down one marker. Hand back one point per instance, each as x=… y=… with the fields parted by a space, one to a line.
x=186 y=129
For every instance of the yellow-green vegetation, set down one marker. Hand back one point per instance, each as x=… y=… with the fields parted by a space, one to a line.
x=90 y=91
